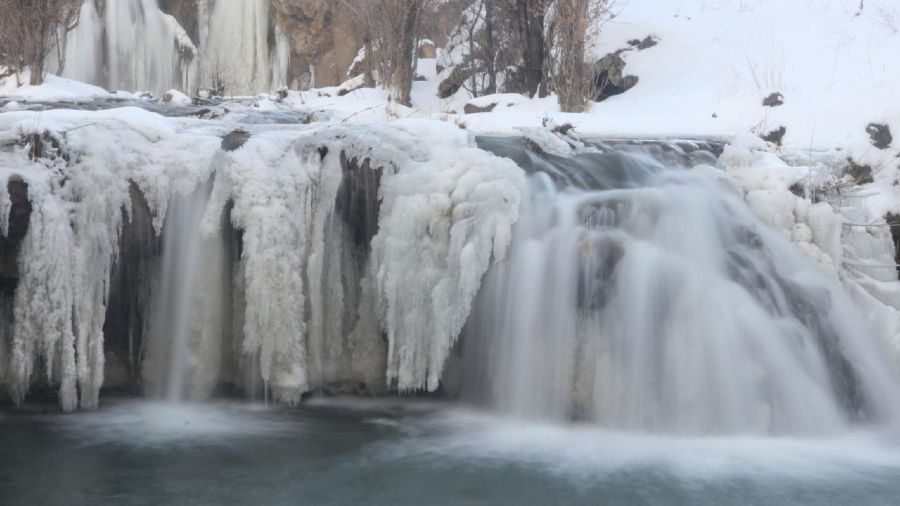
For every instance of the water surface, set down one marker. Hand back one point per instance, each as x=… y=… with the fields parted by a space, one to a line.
x=414 y=453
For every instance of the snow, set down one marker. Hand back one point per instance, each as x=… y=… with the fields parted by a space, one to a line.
x=176 y=97
x=53 y=88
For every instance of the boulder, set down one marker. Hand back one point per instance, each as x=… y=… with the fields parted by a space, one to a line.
x=880 y=135
x=774 y=100
x=611 y=79
x=475 y=109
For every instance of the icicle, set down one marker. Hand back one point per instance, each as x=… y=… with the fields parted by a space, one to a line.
x=278 y=197
x=44 y=299
x=442 y=221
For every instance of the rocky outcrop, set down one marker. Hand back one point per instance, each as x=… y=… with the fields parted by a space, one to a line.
x=128 y=305
x=185 y=12
x=611 y=78
x=19 y=216
x=323 y=37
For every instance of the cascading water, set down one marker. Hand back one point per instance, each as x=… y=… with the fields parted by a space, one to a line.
x=245 y=46
x=134 y=45
x=185 y=345
x=650 y=298
x=130 y=45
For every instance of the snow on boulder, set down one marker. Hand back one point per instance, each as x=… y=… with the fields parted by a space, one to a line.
x=176 y=97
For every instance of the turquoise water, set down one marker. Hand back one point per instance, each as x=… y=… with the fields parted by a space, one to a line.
x=414 y=453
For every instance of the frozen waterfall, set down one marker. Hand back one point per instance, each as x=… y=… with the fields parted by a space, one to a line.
x=308 y=259
x=133 y=45
x=623 y=285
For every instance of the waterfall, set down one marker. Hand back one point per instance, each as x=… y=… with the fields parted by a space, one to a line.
x=641 y=296
x=245 y=45
x=133 y=45
x=130 y=45
x=185 y=346
x=617 y=287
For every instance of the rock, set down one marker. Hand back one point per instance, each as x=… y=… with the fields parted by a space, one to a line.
x=611 y=79
x=19 y=218
x=322 y=34
x=176 y=97
x=185 y=12
x=235 y=140
x=475 y=109
x=427 y=49
x=775 y=136
x=648 y=42
x=127 y=303
x=455 y=80
x=351 y=85
x=880 y=135
x=563 y=129
x=861 y=174
x=357 y=201
x=774 y=100
x=44 y=145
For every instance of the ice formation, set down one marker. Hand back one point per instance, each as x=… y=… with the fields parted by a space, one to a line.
x=134 y=45
x=262 y=275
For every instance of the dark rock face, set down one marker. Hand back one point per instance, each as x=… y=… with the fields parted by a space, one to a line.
x=774 y=100
x=129 y=293
x=357 y=202
x=611 y=79
x=235 y=140
x=19 y=217
x=185 y=12
x=880 y=135
x=775 y=136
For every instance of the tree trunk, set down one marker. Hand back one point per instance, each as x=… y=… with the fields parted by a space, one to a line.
x=530 y=21
x=404 y=67
x=38 y=50
x=490 y=47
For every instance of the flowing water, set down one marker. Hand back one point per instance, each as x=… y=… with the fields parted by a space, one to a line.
x=646 y=341
x=407 y=453
x=639 y=295
x=189 y=314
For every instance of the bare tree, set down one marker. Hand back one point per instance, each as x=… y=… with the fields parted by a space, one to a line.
x=571 y=76
x=391 y=38
x=530 y=17
x=30 y=29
